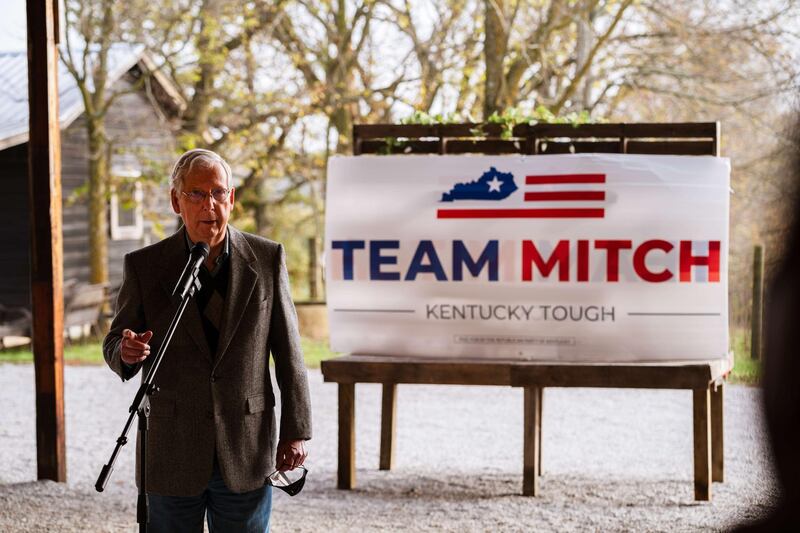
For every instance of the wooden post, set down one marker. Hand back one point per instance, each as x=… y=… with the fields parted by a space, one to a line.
x=717 y=145
x=313 y=268
x=356 y=140
x=702 y=444
x=758 y=302
x=717 y=432
x=388 y=424
x=530 y=442
x=347 y=436
x=541 y=419
x=44 y=175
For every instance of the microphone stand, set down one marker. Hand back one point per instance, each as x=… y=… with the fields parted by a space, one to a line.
x=141 y=408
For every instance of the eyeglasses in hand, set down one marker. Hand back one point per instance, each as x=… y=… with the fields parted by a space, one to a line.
x=291 y=482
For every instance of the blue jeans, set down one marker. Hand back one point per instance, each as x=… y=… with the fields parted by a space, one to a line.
x=228 y=511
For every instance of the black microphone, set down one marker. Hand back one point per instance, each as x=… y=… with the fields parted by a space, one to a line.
x=198 y=254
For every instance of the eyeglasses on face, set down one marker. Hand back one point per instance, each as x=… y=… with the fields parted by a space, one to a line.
x=197 y=196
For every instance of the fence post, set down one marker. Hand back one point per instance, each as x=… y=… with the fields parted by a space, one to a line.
x=313 y=268
x=756 y=316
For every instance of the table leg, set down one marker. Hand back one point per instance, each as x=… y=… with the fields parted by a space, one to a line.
x=388 y=423
x=347 y=436
x=702 y=444
x=531 y=442
x=717 y=433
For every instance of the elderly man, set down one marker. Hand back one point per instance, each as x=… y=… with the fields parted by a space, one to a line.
x=212 y=442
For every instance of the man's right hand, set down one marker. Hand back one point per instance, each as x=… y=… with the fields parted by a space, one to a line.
x=134 y=348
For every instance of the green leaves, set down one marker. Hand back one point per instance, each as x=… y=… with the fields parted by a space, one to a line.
x=421 y=117
x=508 y=119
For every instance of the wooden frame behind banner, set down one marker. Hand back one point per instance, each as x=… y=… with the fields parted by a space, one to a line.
x=692 y=138
x=705 y=379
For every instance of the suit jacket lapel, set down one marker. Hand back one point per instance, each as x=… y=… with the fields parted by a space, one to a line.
x=173 y=260
x=242 y=280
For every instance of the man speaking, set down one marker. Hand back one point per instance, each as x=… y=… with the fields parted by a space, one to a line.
x=213 y=441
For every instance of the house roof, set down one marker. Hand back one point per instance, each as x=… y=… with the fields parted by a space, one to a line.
x=14 y=89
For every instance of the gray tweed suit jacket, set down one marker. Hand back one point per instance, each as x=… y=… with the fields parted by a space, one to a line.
x=219 y=403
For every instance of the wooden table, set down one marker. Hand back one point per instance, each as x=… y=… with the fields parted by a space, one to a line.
x=704 y=378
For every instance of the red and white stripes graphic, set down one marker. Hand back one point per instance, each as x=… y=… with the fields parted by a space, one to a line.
x=542 y=195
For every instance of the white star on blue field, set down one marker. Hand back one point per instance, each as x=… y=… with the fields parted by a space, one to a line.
x=492 y=185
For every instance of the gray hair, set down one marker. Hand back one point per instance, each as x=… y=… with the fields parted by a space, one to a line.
x=198 y=157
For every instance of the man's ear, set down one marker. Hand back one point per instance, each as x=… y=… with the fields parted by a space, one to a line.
x=173 y=196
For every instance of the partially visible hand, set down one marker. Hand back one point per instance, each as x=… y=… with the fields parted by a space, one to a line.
x=291 y=454
x=134 y=348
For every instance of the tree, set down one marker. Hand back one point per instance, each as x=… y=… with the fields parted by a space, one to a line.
x=443 y=40
x=326 y=52
x=94 y=26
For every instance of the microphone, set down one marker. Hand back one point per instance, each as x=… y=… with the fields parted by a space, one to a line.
x=198 y=254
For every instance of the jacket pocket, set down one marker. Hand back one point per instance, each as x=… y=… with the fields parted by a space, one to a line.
x=255 y=404
x=258 y=402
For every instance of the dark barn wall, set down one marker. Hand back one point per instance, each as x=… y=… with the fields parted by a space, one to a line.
x=14 y=228
x=75 y=225
x=140 y=135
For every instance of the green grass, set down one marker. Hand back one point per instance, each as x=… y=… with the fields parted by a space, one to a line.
x=745 y=370
x=316 y=351
x=16 y=355
x=90 y=353
x=82 y=353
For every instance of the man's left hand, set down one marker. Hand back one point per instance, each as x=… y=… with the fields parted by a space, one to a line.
x=291 y=454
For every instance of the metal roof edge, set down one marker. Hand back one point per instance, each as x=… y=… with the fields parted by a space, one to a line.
x=68 y=115
x=163 y=80
x=14 y=139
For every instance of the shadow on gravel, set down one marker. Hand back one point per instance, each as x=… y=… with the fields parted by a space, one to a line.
x=590 y=491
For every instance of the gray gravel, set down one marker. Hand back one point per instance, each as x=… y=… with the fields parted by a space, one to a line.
x=614 y=460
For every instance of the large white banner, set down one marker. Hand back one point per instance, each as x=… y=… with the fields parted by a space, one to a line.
x=559 y=258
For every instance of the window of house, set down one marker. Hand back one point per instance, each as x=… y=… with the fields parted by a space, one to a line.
x=127 y=216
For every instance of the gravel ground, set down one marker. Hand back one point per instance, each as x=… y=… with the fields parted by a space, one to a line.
x=614 y=460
